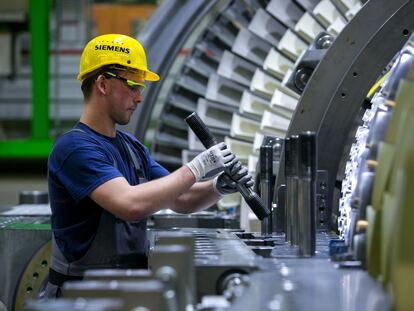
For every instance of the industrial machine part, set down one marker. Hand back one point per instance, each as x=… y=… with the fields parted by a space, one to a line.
x=306 y=193
x=208 y=140
x=278 y=145
x=34 y=276
x=367 y=54
x=360 y=170
x=205 y=219
x=167 y=275
x=233 y=285
x=33 y=197
x=219 y=258
x=218 y=253
x=78 y=304
x=117 y=274
x=176 y=237
x=228 y=268
x=279 y=277
x=180 y=238
x=145 y=293
x=291 y=171
x=307 y=62
x=266 y=186
x=293 y=285
x=372 y=208
x=181 y=260
x=25 y=257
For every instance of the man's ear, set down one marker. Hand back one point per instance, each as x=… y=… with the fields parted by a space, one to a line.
x=101 y=84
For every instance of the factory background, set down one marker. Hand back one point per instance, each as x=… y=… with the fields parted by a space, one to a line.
x=315 y=97
x=62 y=28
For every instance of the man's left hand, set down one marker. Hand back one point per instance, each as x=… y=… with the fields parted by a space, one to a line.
x=225 y=183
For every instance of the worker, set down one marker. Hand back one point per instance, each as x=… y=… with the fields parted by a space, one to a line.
x=103 y=183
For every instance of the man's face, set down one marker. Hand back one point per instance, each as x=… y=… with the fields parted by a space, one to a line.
x=126 y=95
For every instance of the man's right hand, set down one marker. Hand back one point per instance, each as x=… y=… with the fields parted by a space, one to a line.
x=211 y=162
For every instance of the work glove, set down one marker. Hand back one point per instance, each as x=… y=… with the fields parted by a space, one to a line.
x=211 y=162
x=237 y=173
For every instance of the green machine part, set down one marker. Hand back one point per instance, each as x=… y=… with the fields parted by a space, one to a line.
x=39 y=144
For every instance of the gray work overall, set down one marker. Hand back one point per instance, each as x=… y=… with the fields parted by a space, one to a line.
x=116 y=245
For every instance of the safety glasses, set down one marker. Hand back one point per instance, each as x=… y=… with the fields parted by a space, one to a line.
x=132 y=85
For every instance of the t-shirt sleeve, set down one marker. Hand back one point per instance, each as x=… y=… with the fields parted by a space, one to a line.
x=156 y=169
x=84 y=169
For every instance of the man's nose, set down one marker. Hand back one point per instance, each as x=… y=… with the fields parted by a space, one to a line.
x=138 y=97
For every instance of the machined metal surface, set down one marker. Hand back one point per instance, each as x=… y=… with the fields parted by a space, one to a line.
x=168 y=221
x=117 y=274
x=79 y=304
x=181 y=259
x=311 y=284
x=134 y=294
x=279 y=280
x=217 y=254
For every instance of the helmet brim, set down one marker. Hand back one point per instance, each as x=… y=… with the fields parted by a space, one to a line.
x=151 y=76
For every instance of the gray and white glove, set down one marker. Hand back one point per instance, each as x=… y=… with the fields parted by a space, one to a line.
x=236 y=174
x=211 y=162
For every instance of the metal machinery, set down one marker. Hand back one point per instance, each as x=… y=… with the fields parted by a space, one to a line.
x=317 y=93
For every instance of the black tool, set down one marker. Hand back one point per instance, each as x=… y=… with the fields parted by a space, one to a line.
x=208 y=140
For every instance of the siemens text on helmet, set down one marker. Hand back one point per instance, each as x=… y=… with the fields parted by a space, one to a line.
x=112 y=48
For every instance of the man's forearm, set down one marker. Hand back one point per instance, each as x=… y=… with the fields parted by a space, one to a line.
x=162 y=193
x=200 y=196
x=137 y=202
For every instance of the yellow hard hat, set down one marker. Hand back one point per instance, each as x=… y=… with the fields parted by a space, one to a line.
x=114 y=49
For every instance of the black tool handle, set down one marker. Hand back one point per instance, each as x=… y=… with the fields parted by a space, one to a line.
x=209 y=140
x=201 y=130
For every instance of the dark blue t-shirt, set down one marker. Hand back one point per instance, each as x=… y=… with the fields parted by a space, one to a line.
x=80 y=162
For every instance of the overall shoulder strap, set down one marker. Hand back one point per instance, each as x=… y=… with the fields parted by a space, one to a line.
x=134 y=158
